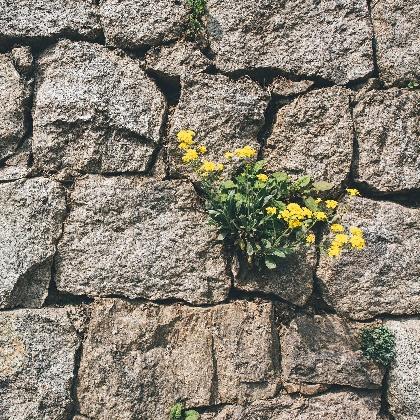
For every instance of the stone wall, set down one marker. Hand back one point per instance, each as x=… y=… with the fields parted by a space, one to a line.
x=115 y=299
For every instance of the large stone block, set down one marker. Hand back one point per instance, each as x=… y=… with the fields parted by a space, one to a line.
x=139 y=237
x=327 y=39
x=138 y=359
x=37 y=361
x=384 y=277
x=404 y=375
x=141 y=23
x=397 y=39
x=31 y=20
x=31 y=214
x=324 y=349
x=387 y=131
x=95 y=111
x=13 y=95
x=225 y=114
x=314 y=136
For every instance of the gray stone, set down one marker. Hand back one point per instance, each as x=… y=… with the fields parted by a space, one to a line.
x=31 y=20
x=17 y=166
x=384 y=277
x=387 y=131
x=37 y=357
x=292 y=280
x=140 y=23
x=404 y=375
x=140 y=237
x=95 y=111
x=397 y=36
x=225 y=114
x=31 y=213
x=332 y=40
x=22 y=59
x=344 y=405
x=13 y=95
x=325 y=349
x=173 y=61
x=138 y=359
x=314 y=136
x=286 y=87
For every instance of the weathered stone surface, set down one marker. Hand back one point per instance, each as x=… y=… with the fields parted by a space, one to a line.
x=330 y=406
x=13 y=94
x=17 y=166
x=314 y=136
x=384 y=277
x=31 y=213
x=326 y=349
x=95 y=111
x=292 y=280
x=225 y=114
x=202 y=356
x=173 y=61
x=387 y=131
x=404 y=375
x=37 y=356
x=31 y=20
x=286 y=87
x=331 y=40
x=139 y=238
x=397 y=35
x=140 y=23
x=22 y=58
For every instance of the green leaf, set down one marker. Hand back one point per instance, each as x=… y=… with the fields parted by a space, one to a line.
x=229 y=184
x=249 y=249
x=270 y=263
x=303 y=181
x=278 y=253
x=259 y=165
x=311 y=204
x=192 y=415
x=280 y=176
x=176 y=412
x=322 y=185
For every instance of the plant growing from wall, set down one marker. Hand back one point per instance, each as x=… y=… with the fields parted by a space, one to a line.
x=413 y=84
x=378 y=344
x=265 y=217
x=195 y=19
x=178 y=413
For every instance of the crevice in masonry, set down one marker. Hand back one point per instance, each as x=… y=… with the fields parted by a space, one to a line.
x=374 y=46
x=269 y=120
x=214 y=387
x=384 y=410
x=74 y=408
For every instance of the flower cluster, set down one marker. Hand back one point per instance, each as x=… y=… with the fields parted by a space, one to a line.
x=353 y=239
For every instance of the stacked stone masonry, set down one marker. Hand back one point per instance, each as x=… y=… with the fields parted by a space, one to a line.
x=116 y=299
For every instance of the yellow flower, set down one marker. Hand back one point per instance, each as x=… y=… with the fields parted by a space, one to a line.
x=189 y=156
x=208 y=166
x=229 y=155
x=356 y=231
x=219 y=166
x=331 y=204
x=285 y=214
x=317 y=200
x=186 y=136
x=202 y=149
x=352 y=192
x=306 y=212
x=357 y=242
x=340 y=239
x=271 y=211
x=245 y=152
x=310 y=239
x=262 y=177
x=336 y=227
x=293 y=223
x=334 y=251
x=294 y=208
x=320 y=215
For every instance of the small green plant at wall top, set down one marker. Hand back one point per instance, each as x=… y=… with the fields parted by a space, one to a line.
x=413 y=84
x=195 y=19
x=265 y=217
x=178 y=413
x=378 y=344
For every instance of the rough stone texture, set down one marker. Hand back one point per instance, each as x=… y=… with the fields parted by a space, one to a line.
x=292 y=280
x=387 y=127
x=139 y=238
x=140 y=23
x=397 y=36
x=22 y=58
x=286 y=87
x=173 y=61
x=16 y=167
x=225 y=114
x=404 y=375
x=139 y=359
x=325 y=349
x=95 y=111
x=314 y=136
x=31 y=213
x=37 y=356
x=13 y=95
x=384 y=277
x=348 y=405
x=327 y=39
x=31 y=20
